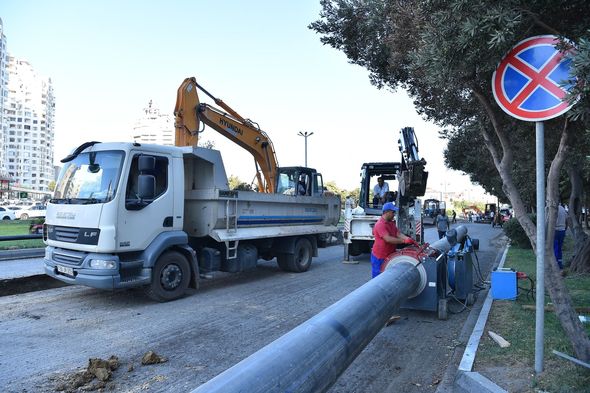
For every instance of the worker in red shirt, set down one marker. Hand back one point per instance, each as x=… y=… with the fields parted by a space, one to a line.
x=387 y=237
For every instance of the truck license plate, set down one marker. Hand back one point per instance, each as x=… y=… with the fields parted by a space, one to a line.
x=68 y=271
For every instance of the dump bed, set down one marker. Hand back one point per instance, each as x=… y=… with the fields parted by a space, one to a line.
x=211 y=209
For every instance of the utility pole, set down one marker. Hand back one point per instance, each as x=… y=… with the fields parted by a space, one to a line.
x=305 y=135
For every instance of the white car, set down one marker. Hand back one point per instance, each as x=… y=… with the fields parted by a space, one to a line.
x=7 y=214
x=35 y=211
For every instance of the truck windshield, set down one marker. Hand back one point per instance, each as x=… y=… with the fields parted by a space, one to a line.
x=89 y=178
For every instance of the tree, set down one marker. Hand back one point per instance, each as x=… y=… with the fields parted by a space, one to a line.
x=236 y=184
x=444 y=53
x=207 y=144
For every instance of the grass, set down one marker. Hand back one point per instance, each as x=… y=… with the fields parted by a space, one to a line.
x=17 y=227
x=517 y=325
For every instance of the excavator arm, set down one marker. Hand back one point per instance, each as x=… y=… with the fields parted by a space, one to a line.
x=412 y=177
x=190 y=113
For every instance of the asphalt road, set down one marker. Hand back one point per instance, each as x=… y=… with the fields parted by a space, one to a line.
x=49 y=335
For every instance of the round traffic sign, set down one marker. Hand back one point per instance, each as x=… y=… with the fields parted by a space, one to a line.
x=529 y=81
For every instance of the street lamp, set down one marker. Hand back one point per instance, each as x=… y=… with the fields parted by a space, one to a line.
x=305 y=135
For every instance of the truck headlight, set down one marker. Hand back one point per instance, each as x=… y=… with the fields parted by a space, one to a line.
x=102 y=264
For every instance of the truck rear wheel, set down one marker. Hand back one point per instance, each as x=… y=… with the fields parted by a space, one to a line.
x=355 y=249
x=300 y=260
x=170 y=277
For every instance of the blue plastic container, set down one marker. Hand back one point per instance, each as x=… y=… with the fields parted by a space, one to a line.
x=504 y=284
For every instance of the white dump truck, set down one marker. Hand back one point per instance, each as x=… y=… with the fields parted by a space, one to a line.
x=129 y=214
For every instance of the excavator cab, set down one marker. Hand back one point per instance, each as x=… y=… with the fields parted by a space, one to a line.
x=299 y=180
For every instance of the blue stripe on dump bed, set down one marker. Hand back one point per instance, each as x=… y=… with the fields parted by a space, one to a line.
x=261 y=220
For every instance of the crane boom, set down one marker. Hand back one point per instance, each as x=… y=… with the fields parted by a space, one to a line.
x=190 y=113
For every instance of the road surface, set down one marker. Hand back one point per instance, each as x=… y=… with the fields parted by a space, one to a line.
x=49 y=335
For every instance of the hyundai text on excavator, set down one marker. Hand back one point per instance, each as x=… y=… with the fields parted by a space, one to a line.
x=130 y=214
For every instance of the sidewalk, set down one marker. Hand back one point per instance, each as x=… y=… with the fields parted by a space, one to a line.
x=21 y=263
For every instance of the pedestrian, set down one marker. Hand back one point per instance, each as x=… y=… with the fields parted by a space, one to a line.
x=470 y=216
x=380 y=191
x=387 y=237
x=492 y=218
x=454 y=217
x=442 y=223
x=560 y=227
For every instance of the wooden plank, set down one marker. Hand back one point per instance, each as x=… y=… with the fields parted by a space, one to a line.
x=498 y=339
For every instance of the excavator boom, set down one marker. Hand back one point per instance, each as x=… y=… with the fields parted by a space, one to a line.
x=190 y=113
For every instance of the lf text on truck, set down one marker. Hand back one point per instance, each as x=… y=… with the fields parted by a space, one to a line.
x=160 y=217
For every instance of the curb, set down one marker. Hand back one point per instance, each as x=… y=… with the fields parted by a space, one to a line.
x=472 y=381
x=467 y=380
x=22 y=253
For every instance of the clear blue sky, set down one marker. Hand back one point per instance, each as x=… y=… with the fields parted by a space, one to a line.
x=108 y=58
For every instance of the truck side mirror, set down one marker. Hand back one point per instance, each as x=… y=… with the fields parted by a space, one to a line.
x=146 y=186
x=146 y=163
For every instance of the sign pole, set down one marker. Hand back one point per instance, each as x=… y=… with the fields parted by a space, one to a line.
x=528 y=84
x=540 y=301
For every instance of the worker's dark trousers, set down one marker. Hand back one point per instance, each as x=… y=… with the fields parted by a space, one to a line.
x=557 y=245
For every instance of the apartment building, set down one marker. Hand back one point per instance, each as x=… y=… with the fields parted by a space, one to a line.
x=28 y=126
x=154 y=127
x=3 y=95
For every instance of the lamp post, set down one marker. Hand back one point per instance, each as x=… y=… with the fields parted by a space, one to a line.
x=305 y=135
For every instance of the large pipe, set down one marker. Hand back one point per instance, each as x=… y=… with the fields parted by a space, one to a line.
x=311 y=357
x=453 y=236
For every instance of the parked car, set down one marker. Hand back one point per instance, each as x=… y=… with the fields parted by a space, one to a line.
x=36 y=227
x=7 y=214
x=31 y=211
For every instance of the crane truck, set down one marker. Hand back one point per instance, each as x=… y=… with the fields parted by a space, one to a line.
x=130 y=214
x=411 y=178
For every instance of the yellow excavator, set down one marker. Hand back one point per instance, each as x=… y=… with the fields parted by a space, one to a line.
x=191 y=115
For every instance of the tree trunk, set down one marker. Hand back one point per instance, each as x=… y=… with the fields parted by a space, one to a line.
x=555 y=284
x=580 y=263
x=564 y=308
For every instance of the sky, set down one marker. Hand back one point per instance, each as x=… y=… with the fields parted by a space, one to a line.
x=107 y=59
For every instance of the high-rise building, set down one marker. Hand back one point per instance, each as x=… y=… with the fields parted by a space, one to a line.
x=154 y=127
x=3 y=95
x=29 y=112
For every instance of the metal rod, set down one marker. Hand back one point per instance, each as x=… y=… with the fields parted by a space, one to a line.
x=540 y=302
x=311 y=357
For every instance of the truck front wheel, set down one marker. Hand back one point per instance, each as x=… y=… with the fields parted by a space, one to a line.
x=300 y=260
x=170 y=277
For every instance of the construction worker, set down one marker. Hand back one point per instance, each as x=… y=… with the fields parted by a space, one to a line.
x=387 y=237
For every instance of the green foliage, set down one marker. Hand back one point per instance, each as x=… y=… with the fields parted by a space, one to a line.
x=207 y=144
x=18 y=227
x=236 y=184
x=514 y=231
x=444 y=53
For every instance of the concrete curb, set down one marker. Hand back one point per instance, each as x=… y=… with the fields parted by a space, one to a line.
x=22 y=253
x=471 y=381
x=467 y=380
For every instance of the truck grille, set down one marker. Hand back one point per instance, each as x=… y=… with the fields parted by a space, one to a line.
x=73 y=234
x=69 y=258
x=66 y=234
